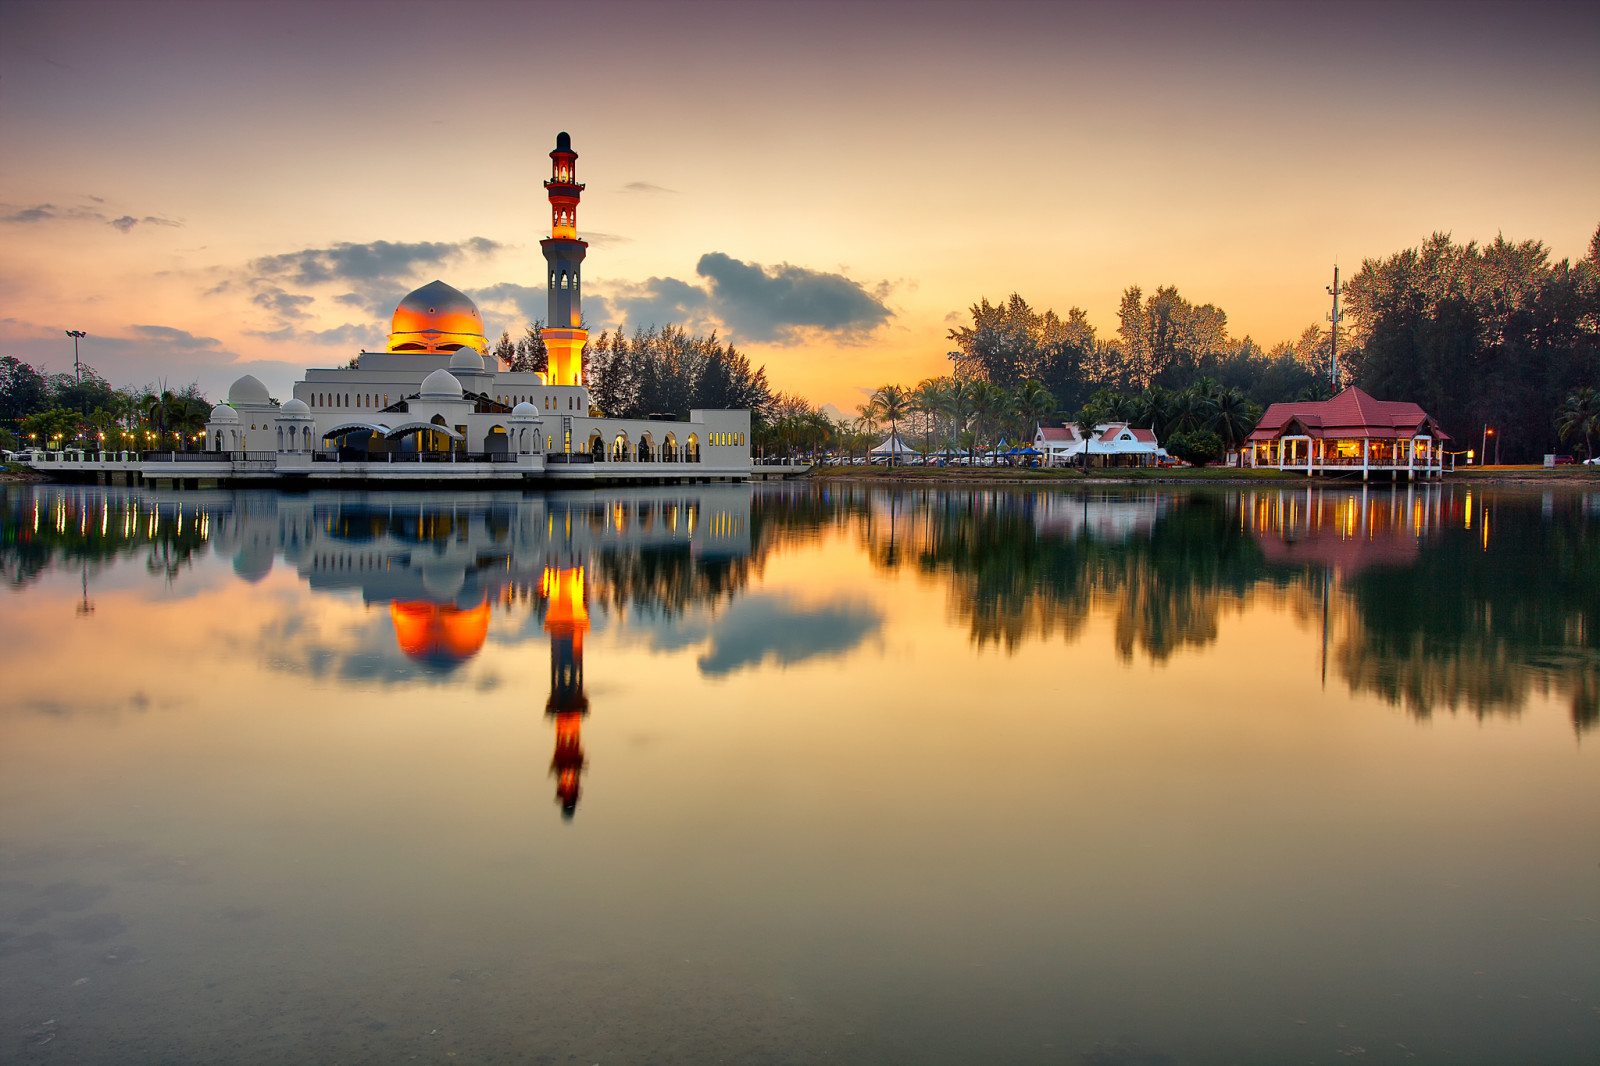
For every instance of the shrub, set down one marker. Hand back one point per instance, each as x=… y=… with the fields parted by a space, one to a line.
x=1196 y=448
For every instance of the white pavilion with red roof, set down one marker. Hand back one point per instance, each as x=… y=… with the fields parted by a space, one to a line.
x=1350 y=432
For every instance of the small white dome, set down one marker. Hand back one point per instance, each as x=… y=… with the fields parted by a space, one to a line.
x=440 y=385
x=525 y=408
x=223 y=413
x=249 y=390
x=296 y=408
x=466 y=359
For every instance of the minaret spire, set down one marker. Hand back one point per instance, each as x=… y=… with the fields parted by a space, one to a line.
x=564 y=335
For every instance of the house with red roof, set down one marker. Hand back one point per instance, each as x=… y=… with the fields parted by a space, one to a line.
x=1349 y=433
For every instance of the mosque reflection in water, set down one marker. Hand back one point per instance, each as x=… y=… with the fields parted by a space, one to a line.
x=1431 y=597
x=440 y=564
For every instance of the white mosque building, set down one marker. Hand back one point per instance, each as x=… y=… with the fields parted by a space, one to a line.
x=435 y=405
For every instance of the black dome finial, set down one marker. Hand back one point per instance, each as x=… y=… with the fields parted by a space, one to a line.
x=563 y=142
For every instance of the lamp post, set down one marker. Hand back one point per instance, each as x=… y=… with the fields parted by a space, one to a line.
x=76 y=335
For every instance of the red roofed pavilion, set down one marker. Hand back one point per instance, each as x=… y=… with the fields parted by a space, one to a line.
x=1350 y=432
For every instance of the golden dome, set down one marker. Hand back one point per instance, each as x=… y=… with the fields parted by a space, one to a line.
x=436 y=318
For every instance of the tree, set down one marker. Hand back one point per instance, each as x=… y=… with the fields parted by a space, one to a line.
x=1033 y=404
x=23 y=390
x=1495 y=335
x=1579 y=415
x=893 y=405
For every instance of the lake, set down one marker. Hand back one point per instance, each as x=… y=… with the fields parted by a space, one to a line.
x=801 y=773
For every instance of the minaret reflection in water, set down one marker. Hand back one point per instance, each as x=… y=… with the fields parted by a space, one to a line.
x=566 y=619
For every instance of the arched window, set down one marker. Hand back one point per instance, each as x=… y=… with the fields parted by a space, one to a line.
x=280 y=438
x=305 y=439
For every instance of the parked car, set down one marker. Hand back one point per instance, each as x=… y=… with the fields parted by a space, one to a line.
x=1595 y=461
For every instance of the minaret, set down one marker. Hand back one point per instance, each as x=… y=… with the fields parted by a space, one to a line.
x=564 y=336
x=566 y=619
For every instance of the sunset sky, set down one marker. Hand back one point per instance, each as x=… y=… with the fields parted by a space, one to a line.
x=210 y=189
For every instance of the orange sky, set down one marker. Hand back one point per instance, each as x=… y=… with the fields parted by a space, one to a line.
x=174 y=169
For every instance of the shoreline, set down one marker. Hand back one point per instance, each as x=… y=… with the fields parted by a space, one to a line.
x=1568 y=476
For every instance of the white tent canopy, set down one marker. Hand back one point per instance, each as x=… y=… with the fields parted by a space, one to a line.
x=893 y=445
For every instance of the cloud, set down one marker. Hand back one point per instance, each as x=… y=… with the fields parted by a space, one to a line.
x=523 y=302
x=127 y=222
x=283 y=304
x=176 y=338
x=52 y=213
x=659 y=301
x=368 y=262
x=645 y=186
x=349 y=333
x=776 y=627
x=782 y=304
x=770 y=303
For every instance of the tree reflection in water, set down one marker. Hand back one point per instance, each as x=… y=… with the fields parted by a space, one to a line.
x=1432 y=597
x=1435 y=596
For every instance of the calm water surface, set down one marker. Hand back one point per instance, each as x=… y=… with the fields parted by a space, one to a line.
x=795 y=775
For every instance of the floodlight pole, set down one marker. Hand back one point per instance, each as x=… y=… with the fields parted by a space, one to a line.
x=76 y=335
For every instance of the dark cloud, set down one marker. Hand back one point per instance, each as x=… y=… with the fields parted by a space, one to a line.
x=776 y=627
x=771 y=303
x=368 y=262
x=659 y=301
x=753 y=302
x=645 y=186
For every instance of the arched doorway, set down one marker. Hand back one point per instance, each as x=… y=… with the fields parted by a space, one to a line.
x=645 y=452
x=597 y=448
x=691 y=451
x=669 y=449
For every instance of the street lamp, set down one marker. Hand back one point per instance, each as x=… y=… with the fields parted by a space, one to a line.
x=76 y=335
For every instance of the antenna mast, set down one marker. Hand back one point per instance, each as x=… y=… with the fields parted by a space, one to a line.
x=1334 y=333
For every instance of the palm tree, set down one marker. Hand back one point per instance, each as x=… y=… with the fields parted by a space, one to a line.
x=956 y=406
x=1579 y=413
x=893 y=405
x=1033 y=403
x=1232 y=416
x=866 y=425
x=990 y=405
x=926 y=400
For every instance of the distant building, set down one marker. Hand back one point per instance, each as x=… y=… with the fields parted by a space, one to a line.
x=1349 y=433
x=1110 y=444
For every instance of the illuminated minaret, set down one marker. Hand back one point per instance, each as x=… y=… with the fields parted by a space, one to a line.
x=563 y=252
x=566 y=619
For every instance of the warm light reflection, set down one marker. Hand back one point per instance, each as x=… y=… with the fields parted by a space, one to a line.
x=439 y=634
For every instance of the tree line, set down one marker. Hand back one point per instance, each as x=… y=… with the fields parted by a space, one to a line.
x=1493 y=337
x=662 y=371
x=40 y=409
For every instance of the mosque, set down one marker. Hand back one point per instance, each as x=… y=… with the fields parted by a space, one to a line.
x=435 y=405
